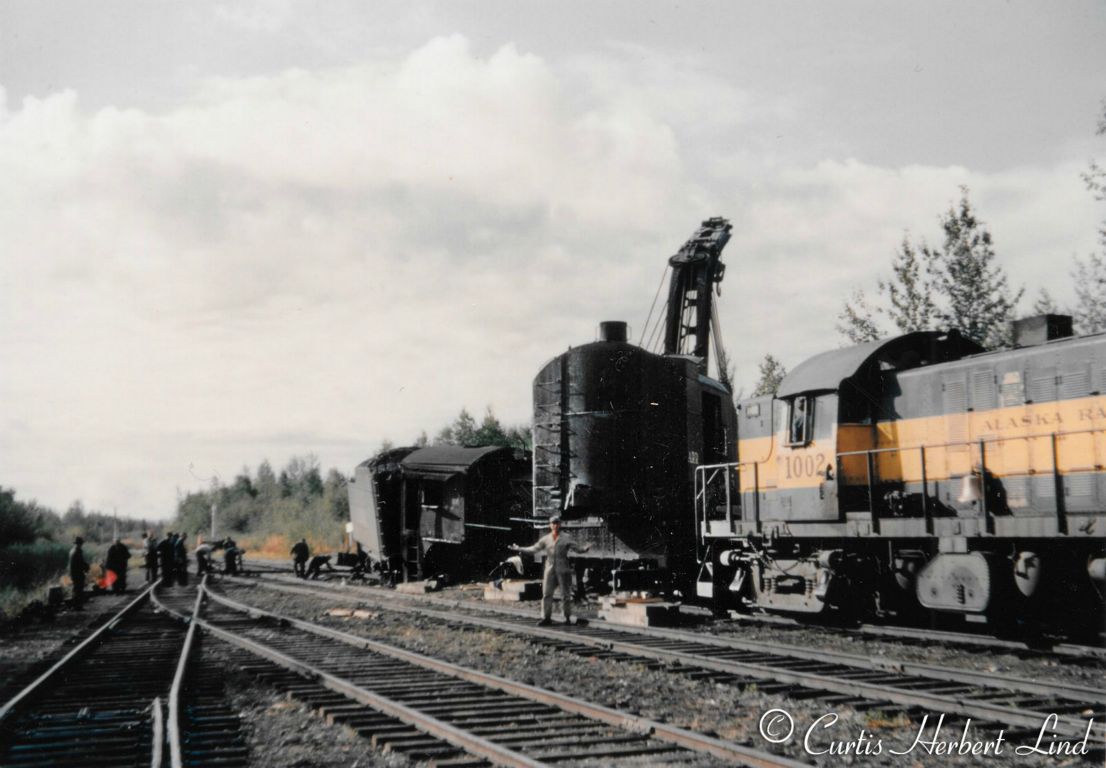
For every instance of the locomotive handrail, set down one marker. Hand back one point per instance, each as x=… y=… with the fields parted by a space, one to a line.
x=980 y=469
x=982 y=443
x=729 y=506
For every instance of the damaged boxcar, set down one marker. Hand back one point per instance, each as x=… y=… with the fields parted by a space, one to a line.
x=443 y=509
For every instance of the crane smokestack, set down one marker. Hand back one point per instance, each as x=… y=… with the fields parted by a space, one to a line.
x=612 y=330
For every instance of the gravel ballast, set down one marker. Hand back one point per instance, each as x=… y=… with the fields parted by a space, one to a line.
x=731 y=712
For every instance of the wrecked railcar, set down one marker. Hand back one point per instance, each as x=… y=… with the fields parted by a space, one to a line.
x=418 y=512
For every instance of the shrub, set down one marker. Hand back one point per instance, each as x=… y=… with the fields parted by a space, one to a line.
x=25 y=565
x=25 y=570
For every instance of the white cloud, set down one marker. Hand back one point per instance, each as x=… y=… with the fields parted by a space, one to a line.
x=317 y=260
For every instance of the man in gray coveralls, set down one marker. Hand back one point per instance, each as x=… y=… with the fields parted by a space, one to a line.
x=558 y=570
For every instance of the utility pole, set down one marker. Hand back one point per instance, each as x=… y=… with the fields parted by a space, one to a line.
x=214 y=507
x=114 y=523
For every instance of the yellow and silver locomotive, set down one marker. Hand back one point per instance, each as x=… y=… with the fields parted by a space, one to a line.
x=919 y=473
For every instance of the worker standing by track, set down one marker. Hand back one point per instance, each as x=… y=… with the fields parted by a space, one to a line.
x=116 y=562
x=180 y=559
x=558 y=570
x=231 y=557
x=78 y=568
x=165 y=557
x=300 y=553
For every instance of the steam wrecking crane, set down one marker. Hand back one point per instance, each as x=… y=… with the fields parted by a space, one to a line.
x=696 y=269
x=619 y=430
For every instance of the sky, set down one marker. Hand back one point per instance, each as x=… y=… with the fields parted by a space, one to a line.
x=241 y=231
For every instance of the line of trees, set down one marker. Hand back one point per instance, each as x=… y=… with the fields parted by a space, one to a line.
x=26 y=522
x=299 y=501
x=465 y=431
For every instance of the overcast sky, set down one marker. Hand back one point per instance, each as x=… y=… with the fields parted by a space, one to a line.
x=239 y=231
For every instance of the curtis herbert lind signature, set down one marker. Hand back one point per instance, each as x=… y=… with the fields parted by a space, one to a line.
x=777 y=726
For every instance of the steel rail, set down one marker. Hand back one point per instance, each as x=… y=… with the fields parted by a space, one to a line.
x=736 y=753
x=905 y=696
x=1075 y=693
x=470 y=743
x=176 y=758
x=158 y=750
x=943 y=637
x=75 y=654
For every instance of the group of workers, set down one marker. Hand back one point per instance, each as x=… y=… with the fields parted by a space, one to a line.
x=232 y=557
x=305 y=566
x=115 y=569
x=167 y=557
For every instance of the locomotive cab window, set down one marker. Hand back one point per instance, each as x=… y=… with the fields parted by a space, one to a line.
x=800 y=417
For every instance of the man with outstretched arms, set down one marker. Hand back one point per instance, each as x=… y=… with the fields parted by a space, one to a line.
x=555 y=546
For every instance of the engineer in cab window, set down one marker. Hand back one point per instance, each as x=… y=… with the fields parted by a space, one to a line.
x=798 y=421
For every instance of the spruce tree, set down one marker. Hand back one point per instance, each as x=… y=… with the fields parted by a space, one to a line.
x=977 y=297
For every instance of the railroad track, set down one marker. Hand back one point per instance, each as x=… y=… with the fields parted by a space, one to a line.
x=118 y=699
x=1067 y=652
x=433 y=710
x=988 y=699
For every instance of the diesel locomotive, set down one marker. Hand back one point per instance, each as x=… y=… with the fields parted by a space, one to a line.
x=919 y=473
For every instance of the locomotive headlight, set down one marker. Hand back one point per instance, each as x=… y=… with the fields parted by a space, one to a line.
x=1027 y=572
x=1096 y=569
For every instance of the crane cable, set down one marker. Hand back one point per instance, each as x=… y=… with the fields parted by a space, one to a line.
x=720 y=357
x=656 y=338
x=656 y=296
